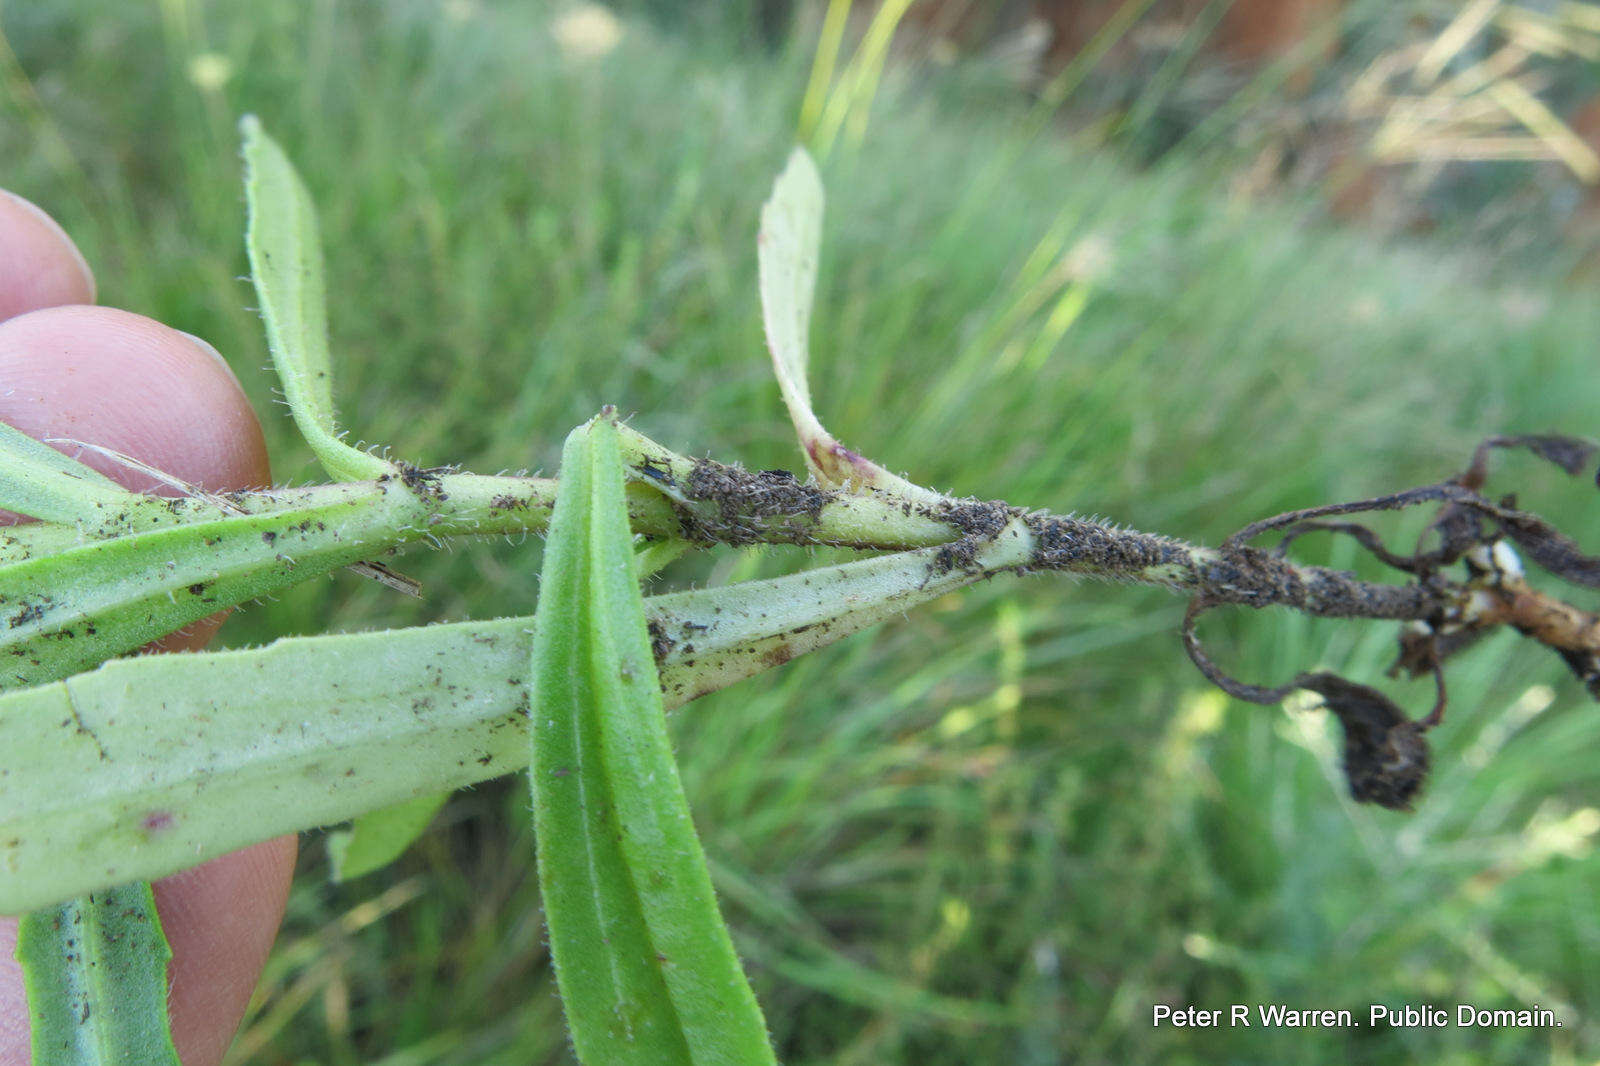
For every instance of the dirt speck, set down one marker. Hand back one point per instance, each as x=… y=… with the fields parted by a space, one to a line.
x=31 y=612
x=660 y=644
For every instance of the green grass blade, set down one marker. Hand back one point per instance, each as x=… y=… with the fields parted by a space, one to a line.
x=286 y=268
x=647 y=971
x=38 y=481
x=95 y=970
x=378 y=838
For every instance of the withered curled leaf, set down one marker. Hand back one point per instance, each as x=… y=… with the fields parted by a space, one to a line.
x=1550 y=548
x=1363 y=535
x=1571 y=454
x=1385 y=753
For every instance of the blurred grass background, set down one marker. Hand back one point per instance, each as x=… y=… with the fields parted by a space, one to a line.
x=1003 y=828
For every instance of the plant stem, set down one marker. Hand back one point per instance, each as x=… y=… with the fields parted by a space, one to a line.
x=709 y=503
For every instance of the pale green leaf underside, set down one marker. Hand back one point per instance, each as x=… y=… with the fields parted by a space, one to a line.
x=789 y=246
x=787 y=252
x=148 y=766
x=286 y=269
x=647 y=971
x=95 y=970
x=38 y=481
x=377 y=838
x=151 y=765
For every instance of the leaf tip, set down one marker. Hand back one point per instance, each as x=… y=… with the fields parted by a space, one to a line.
x=800 y=181
x=251 y=137
x=803 y=166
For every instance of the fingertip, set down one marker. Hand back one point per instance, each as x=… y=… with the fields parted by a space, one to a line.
x=13 y=1002
x=40 y=266
x=192 y=637
x=132 y=386
x=129 y=384
x=220 y=920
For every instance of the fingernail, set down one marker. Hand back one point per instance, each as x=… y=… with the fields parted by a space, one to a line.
x=51 y=224
x=205 y=346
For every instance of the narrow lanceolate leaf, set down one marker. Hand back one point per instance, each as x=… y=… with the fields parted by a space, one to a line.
x=737 y=631
x=38 y=481
x=788 y=246
x=147 y=766
x=95 y=970
x=788 y=249
x=286 y=268
x=70 y=611
x=379 y=837
x=647 y=971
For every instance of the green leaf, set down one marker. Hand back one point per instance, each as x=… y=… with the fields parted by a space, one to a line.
x=651 y=558
x=380 y=837
x=789 y=247
x=286 y=268
x=646 y=968
x=95 y=970
x=787 y=251
x=175 y=759
x=38 y=481
x=737 y=631
x=72 y=610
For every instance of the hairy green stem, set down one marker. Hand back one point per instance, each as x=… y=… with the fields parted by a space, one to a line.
x=706 y=502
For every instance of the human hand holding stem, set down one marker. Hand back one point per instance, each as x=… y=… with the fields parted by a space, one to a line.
x=129 y=384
